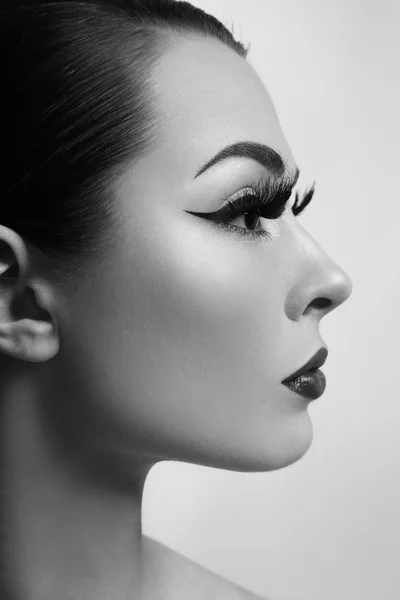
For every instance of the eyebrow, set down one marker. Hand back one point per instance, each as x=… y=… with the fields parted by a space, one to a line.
x=264 y=155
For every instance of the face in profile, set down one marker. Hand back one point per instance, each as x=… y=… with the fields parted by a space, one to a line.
x=177 y=347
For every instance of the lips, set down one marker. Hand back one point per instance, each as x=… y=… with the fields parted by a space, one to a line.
x=314 y=363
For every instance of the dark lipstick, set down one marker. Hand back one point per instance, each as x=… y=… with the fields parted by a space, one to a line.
x=309 y=381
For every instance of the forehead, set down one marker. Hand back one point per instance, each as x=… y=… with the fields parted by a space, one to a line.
x=210 y=97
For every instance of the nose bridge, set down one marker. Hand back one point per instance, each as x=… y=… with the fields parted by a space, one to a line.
x=318 y=284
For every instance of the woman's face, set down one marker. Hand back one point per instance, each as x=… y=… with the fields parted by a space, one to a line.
x=180 y=342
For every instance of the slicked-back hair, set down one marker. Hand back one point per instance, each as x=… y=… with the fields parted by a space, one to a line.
x=77 y=106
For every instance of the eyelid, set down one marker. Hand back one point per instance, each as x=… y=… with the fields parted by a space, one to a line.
x=228 y=199
x=271 y=203
x=271 y=195
x=245 y=191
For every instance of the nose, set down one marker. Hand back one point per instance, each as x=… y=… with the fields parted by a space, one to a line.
x=318 y=284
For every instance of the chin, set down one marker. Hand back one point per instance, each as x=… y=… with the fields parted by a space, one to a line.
x=264 y=463
x=260 y=452
x=271 y=451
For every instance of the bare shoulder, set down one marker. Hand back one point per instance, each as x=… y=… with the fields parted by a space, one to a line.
x=186 y=579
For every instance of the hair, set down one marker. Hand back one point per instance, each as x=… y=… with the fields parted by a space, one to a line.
x=79 y=105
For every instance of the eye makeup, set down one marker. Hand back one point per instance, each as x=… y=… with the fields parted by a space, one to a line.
x=263 y=198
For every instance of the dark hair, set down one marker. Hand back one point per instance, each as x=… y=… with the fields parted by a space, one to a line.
x=78 y=105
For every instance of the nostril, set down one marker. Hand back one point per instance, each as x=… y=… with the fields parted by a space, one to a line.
x=318 y=303
x=322 y=302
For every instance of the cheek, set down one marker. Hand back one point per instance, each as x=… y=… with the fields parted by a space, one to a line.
x=185 y=329
x=207 y=312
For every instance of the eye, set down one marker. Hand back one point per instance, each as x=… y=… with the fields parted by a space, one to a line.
x=262 y=199
x=251 y=219
x=248 y=207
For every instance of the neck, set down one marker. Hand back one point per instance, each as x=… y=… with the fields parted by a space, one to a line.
x=63 y=535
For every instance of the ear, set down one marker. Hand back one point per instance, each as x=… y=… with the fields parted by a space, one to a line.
x=28 y=329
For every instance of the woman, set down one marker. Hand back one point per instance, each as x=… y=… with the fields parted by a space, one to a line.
x=156 y=288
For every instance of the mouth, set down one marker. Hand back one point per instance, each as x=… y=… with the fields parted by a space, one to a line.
x=309 y=381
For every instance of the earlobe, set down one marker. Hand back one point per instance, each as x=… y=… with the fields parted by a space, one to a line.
x=30 y=340
x=27 y=328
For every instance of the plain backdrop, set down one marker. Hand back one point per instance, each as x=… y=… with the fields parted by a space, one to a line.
x=328 y=526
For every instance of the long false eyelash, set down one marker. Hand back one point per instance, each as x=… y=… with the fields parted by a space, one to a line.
x=306 y=198
x=268 y=197
x=271 y=198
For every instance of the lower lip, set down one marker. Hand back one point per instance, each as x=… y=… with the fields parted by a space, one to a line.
x=311 y=384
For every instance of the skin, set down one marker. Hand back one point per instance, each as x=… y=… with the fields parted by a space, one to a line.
x=174 y=349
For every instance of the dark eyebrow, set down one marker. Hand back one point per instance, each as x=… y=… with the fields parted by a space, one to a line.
x=266 y=156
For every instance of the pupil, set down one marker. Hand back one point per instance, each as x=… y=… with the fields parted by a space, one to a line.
x=254 y=214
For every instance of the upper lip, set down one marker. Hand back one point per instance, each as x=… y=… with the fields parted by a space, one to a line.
x=314 y=363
